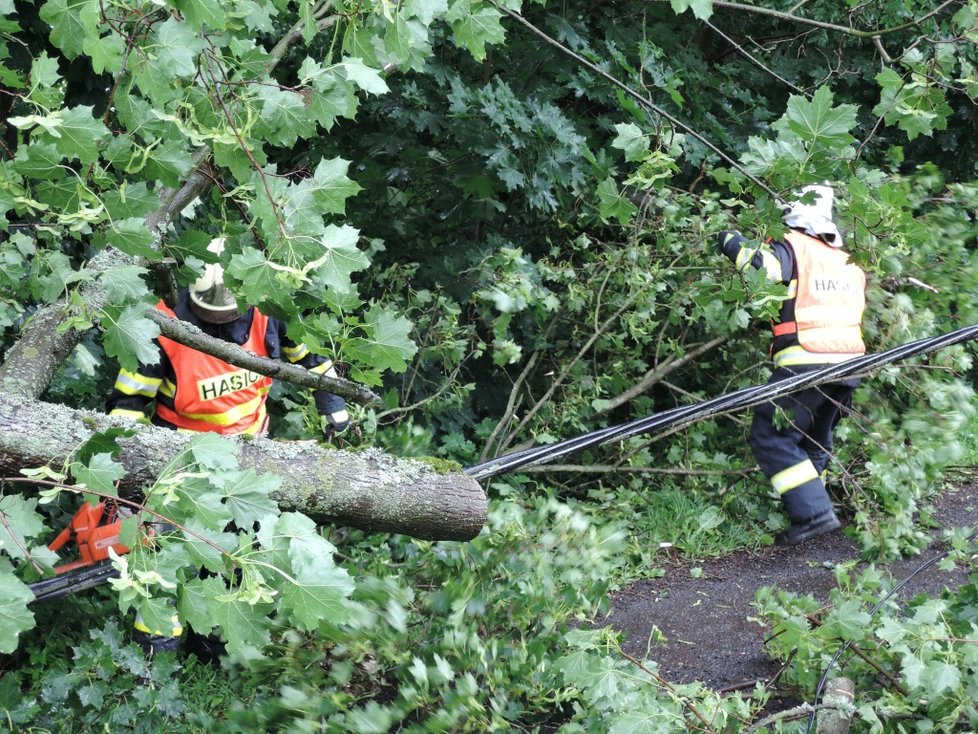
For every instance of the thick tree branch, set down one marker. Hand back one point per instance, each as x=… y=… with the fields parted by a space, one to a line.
x=370 y=490
x=190 y=336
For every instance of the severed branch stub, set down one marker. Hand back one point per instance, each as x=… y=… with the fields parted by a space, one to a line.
x=839 y=693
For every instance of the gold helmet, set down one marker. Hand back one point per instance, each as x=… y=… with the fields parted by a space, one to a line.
x=210 y=299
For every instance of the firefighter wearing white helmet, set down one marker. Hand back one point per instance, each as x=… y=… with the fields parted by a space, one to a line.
x=819 y=324
x=188 y=390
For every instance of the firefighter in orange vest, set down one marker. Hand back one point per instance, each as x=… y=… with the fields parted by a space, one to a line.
x=188 y=390
x=193 y=391
x=819 y=324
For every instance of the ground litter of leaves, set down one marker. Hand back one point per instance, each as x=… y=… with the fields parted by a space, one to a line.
x=705 y=617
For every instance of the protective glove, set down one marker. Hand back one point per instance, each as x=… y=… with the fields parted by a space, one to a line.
x=724 y=237
x=338 y=421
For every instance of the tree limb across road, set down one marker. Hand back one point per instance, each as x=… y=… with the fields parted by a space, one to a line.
x=370 y=490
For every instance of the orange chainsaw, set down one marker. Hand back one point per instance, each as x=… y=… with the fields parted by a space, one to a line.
x=94 y=529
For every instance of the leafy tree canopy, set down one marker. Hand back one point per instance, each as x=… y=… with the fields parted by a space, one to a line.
x=499 y=215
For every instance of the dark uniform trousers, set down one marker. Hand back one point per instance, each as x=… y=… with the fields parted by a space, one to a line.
x=794 y=455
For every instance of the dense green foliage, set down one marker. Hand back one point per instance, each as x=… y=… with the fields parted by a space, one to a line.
x=923 y=650
x=512 y=248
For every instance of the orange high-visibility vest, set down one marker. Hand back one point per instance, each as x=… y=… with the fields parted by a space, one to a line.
x=212 y=395
x=830 y=299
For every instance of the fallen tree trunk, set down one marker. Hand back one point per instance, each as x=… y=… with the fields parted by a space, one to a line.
x=370 y=490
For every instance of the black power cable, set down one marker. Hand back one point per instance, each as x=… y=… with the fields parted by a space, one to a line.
x=745 y=398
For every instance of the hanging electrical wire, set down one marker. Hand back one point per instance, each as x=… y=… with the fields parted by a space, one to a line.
x=745 y=398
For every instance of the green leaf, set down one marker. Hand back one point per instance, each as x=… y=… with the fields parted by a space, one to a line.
x=61 y=275
x=942 y=678
x=71 y=21
x=105 y=52
x=387 y=345
x=131 y=201
x=318 y=596
x=175 y=49
x=208 y=602
x=326 y=191
x=308 y=20
x=257 y=277
x=100 y=473
x=102 y=442
x=246 y=495
x=368 y=79
x=201 y=552
x=21 y=521
x=612 y=204
x=639 y=721
x=198 y=507
x=133 y=237
x=913 y=670
x=295 y=545
x=917 y=107
x=15 y=617
x=285 y=116
x=702 y=9
x=40 y=161
x=607 y=679
x=170 y=162
x=331 y=186
x=632 y=140
x=473 y=30
x=203 y=13
x=360 y=42
x=341 y=258
x=158 y=615
x=766 y=156
x=44 y=71
x=425 y=10
x=129 y=337
x=335 y=100
x=399 y=38
x=817 y=122
x=847 y=621
x=214 y=452
x=124 y=283
x=77 y=133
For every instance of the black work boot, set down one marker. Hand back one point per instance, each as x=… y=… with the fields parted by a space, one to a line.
x=155 y=644
x=800 y=531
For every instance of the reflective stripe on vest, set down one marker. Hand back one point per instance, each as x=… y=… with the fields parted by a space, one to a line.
x=829 y=303
x=212 y=395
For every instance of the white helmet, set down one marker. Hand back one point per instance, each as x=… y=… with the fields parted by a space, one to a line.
x=210 y=299
x=814 y=218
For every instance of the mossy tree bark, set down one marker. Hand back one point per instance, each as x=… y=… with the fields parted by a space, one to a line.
x=369 y=490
